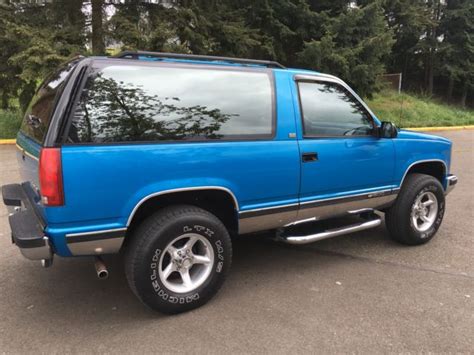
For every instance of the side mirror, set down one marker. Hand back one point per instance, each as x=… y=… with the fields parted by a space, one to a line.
x=387 y=130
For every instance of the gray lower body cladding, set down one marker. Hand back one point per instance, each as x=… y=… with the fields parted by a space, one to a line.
x=272 y=218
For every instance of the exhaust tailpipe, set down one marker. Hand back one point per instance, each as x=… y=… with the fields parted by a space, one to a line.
x=100 y=268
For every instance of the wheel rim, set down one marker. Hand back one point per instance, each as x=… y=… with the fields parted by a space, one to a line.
x=186 y=263
x=424 y=211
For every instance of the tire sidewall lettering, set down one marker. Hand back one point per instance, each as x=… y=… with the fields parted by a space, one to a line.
x=220 y=256
x=161 y=291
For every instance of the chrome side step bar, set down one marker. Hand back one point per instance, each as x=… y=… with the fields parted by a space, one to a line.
x=306 y=239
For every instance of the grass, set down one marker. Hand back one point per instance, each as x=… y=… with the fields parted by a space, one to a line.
x=10 y=121
x=408 y=110
x=405 y=110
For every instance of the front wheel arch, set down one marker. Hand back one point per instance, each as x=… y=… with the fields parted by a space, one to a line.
x=435 y=168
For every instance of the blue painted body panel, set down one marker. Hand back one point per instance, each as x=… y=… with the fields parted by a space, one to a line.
x=104 y=183
x=346 y=166
x=411 y=147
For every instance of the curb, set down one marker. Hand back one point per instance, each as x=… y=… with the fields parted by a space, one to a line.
x=446 y=128
x=7 y=141
x=429 y=129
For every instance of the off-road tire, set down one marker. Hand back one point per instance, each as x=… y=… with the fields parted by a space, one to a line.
x=153 y=236
x=398 y=217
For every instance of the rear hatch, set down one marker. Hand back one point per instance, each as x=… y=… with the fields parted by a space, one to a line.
x=30 y=138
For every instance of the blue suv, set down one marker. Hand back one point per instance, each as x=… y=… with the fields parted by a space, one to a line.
x=166 y=157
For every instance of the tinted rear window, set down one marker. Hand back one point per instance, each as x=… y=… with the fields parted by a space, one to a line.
x=126 y=103
x=37 y=116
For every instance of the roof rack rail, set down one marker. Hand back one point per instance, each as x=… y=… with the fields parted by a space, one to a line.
x=137 y=54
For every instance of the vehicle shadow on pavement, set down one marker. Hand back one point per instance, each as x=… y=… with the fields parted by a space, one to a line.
x=277 y=296
x=70 y=289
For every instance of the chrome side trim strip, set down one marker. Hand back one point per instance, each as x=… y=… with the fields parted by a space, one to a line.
x=348 y=197
x=423 y=161
x=338 y=208
x=184 y=189
x=253 y=212
x=96 y=232
x=268 y=210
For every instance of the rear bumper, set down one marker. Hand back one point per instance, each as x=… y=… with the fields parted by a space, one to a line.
x=451 y=182
x=26 y=225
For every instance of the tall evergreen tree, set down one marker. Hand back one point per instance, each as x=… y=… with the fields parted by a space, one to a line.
x=355 y=46
x=408 y=20
x=98 y=40
x=457 y=28
x=430 y=41
x=35 y=39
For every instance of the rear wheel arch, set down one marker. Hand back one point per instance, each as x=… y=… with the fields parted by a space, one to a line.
x=219 y=201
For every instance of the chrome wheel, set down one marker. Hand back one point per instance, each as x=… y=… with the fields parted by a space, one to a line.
x=186 y=263
x=424 y=211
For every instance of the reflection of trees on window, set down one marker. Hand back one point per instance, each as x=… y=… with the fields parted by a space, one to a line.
x=346 y=96
x=41 y=107
x=331 y=110
x=114 y=111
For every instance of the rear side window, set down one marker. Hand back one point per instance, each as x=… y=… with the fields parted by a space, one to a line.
x=37 y=116
x=329 y=110
x=139 y=104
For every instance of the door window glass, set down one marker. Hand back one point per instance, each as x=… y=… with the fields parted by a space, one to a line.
x=329 y=110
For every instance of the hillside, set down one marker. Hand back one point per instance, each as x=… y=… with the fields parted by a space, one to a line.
x=408 y=110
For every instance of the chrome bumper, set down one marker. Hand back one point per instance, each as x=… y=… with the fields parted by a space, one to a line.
x=43 y=252
x=451 y=182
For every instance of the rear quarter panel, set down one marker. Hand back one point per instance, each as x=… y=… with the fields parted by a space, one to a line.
x=104 y=183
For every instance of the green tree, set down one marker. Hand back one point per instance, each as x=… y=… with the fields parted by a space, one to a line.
x=408 y=21
x=457 y=28
x=430 y=42
x=355 y=46
x=97 y=35
x=332 y=7
x=35 y=39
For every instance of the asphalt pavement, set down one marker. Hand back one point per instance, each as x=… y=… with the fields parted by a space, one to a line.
x=360 y=293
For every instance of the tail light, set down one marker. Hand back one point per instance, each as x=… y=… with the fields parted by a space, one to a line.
x=51 y=177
